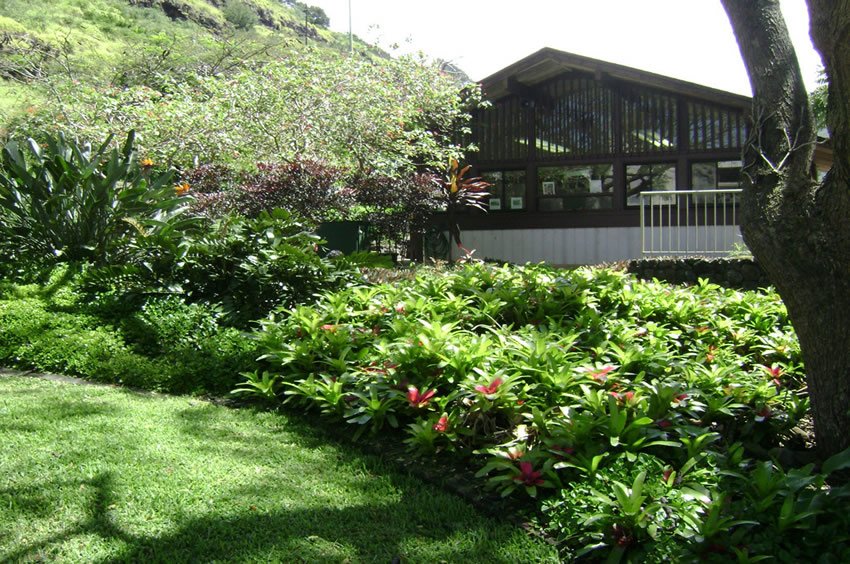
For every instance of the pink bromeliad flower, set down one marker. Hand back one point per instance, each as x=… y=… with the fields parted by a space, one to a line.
x=491 y=389
x=602 y=374
x=624 y=397
x=442 y=425
x=528 y=475
x=417 y=399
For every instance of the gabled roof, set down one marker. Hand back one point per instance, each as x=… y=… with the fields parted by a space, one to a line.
x=548 y=63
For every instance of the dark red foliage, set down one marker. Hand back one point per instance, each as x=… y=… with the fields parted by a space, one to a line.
x=211 y=179
x=528 y=476
x=395 y=207
x=312 y=189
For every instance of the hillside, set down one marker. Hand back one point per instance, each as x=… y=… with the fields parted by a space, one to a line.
x=145 y=42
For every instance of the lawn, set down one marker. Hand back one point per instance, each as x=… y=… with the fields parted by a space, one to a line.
x=100 y=474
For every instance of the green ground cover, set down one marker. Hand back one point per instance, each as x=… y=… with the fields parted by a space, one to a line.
x=98 y=474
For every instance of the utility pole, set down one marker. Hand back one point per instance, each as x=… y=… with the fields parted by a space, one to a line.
x=350 y=34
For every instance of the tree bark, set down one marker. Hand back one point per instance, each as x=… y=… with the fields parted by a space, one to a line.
x=797 y=228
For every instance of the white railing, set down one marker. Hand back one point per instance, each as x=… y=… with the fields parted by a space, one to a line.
x=690 y=222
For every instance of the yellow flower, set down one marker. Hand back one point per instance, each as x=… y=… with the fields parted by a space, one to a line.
x=181 y=188
x=146 y=163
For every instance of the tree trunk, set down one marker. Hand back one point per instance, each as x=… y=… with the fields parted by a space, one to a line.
x=799 y=229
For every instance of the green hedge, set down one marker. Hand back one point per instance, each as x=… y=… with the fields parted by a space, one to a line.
x=166 y=345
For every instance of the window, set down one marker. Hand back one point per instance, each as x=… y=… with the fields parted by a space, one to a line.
x=581 y=187
x=576 y=118
x=507 y=191
x=649 y=122
x=501 y=131
x=649 y=178
x=718 y=175
x=713 y=127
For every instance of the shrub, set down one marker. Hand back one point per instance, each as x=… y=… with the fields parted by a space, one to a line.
x=203 y=356
x=166 y=324
x=167 y=345
x=396 y=207
x=387 y=115
x=240 y=14
x=251 y=266
x=311 y=189
x=66 y=202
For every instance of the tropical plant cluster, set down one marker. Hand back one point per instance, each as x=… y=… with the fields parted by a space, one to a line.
x=129 y=232
x=650 y=420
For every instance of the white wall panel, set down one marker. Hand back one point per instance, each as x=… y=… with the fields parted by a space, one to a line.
x=581 y=246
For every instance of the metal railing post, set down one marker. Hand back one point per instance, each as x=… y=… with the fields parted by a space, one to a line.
x=712 y=242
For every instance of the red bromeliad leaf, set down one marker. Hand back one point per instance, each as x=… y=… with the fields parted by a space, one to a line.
x=417 y=399
x=528 y=476
x=442 y=425
x=491 y=389
x=602 y=374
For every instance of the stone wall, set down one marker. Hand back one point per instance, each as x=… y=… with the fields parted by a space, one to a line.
x=742 y=273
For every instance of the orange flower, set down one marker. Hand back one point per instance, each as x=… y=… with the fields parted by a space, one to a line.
x=181 y=188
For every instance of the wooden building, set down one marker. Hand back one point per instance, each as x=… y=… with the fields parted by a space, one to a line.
x=570 y=143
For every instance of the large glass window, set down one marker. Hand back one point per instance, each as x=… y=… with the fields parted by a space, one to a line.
x=650 y=122
x=648 y=177
x=580 y=187
x=577 y=119
x=507 y=191
x=716 y=175
x=501 y=131
x=713 y=127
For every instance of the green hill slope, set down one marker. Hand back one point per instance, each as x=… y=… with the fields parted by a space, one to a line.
x=133 y=42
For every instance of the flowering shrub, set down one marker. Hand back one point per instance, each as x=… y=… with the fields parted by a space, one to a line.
x=637 y=411
x=387 y=115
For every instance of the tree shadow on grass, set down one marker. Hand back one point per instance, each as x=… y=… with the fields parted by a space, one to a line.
x=370 y=532
x=96 y=521
x=310 y=430
x=361 y=533
x=57 y=410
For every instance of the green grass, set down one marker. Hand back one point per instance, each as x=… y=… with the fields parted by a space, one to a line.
x=98 y=474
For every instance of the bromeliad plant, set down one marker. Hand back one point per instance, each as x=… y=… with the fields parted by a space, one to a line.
x=630 y=416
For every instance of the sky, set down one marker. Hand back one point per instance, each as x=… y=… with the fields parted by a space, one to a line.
x=686 y=39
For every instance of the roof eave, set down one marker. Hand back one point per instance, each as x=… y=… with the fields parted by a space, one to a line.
x=548 y=63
